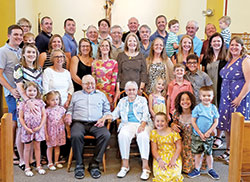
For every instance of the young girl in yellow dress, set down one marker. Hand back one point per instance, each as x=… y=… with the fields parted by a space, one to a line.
x=166 y=148
x=156 y=100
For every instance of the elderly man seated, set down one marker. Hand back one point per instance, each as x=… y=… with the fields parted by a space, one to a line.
x=86 y=108
x=134 y=114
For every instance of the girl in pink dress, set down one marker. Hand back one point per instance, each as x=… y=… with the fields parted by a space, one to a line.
x=55 y=128
x=32 y=126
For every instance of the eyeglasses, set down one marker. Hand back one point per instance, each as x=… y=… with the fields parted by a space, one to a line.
x=59 y=57
x=131 y=89
x=89 y=83
x=191 y=63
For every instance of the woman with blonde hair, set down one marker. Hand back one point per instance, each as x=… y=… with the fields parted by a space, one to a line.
x=158 y=64
x=55 y=42
x=186 y=47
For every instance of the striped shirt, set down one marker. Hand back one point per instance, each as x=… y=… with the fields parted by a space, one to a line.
x=172 y=38
x=226 y=34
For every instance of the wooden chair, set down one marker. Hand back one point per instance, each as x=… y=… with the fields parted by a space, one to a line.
x=6 y=149
x=88 y=154
x=246 y=39
x=134 y=150
x=239 y=162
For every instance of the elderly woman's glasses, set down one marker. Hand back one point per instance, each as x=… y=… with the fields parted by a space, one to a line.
x=59 y=57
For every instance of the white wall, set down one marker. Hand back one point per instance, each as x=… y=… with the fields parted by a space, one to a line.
x=86 y=12
x=240 y=16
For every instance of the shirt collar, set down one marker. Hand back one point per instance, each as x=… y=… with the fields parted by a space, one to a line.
x=69 y=37
x=12 y=49
x=185 y=82
x=89 y=93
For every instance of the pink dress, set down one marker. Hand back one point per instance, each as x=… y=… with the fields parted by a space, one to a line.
x=32 y=120
x=55 y=126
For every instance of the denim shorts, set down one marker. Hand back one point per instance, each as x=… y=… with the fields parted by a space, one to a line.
x=199 y=146
x=11 y=102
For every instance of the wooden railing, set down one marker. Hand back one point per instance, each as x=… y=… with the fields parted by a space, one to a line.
x=6 y=149
x=239 y=165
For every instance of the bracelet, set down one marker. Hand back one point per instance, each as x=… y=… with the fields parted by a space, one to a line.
x=158 y=159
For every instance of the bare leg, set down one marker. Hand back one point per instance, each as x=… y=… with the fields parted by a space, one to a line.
x=26 y=155
x=49 y=154
x=210 y=161
x=57 y=153
x=14 y=127
x=32 y=153
x=36 y=145
x=145 y=164
x=198 y=159
x=125 y=163
x=20 y=146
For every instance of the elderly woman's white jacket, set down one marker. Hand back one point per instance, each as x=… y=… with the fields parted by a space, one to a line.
x=140 y=109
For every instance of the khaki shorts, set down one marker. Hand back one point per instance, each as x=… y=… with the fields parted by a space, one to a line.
x=199 y=146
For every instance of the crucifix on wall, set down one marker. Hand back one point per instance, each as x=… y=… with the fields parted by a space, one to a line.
x=108 y=9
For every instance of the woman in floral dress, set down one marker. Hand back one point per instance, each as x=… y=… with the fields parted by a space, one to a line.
x=105 y=70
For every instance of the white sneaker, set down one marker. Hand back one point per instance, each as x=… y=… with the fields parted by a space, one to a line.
x=145 y=174
x=122 y=173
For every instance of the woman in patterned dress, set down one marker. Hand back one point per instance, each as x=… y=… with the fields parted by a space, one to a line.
x=235 y=89
x=158 y=64
x=105 y=70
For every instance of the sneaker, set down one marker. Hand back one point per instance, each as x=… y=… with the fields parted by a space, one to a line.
x=123 y=172
x=194 y=173
x=213 y=174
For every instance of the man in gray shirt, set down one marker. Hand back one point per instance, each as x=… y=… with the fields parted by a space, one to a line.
x=86 y=109
x=10 y=54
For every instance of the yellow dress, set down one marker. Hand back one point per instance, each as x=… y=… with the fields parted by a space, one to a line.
x=166 y=149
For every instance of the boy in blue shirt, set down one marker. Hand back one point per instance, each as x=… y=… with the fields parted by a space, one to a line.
x=204 y=121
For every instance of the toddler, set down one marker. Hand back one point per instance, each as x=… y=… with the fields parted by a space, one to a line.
x=55 y=128
x=172 y=41
x=29 y=38
x=224 y=23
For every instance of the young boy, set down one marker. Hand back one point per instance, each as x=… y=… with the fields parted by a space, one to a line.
x=195 y=76
x=179 y=84
x=204 y=121
x=224 y=23
x=29 y=38
x=172 y=41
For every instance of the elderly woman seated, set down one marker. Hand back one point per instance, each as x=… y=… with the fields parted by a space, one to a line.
x=134 y=114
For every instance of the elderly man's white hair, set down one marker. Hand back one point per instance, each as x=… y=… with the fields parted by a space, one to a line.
x=193 y=22
x=131 y=83
x=85 y=77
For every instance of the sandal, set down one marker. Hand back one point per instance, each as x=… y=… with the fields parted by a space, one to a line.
x=40 y=170
x=22 y=166
x=33 y=164
x=218 y=143
x=16 y=161
x=51 y=167
x=224 y=156
x=58 y=165
x=28 y=172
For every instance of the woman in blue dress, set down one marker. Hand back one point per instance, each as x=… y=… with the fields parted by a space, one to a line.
x=235 y=90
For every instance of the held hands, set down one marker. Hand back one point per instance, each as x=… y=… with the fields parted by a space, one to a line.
x=172 y=163
x=207 y=134
x=100 y=122
x=175 y=127
x=36 y=129
x=141 y=128
x=30 y=131
x=162 y=164
x=203 y=137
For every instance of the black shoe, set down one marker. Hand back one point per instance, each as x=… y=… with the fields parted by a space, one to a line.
x=79 y=172
x=95 y=172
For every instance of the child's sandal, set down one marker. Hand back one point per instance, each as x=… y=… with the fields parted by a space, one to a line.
x=218 y=143
x=58 y=165
x=40 y=170
x=28 y=172
x=51 y=167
